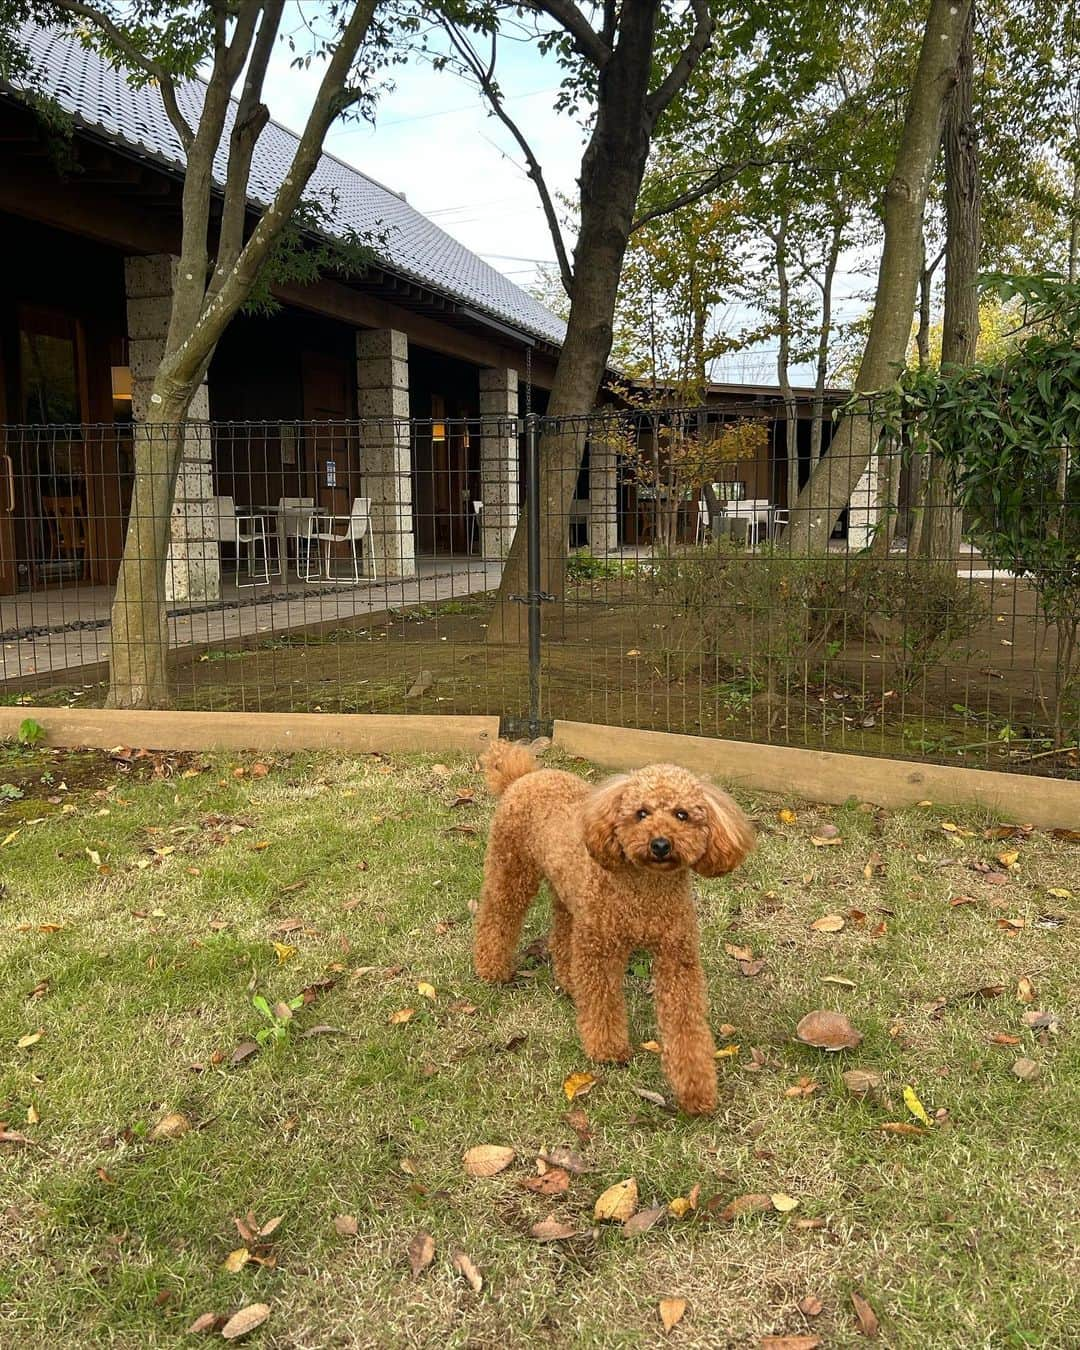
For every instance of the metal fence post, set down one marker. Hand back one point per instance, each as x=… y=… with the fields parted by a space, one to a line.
x=532 y=525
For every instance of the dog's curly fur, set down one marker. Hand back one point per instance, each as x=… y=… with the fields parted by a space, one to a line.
x=611 y=895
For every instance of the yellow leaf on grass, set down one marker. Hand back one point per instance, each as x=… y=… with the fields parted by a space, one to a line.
x=911 y=1101
x=653 y=1047
x=401 y=1016
x=782 y=1203
x=236 y=1261
x=679 y=1207
x=425 y=990
x=1059 y=892
x=1008 y=859
x=1025 y=990
x=671 y=1312
x=727 y=1052
x=32 y=1116
x=726 y=1029
x=618 y=1203
x=819 y=842
x=24 y=1042
x=284 y=952
x=828 y=923
x=787 y=816
x=10 y=838
x=838 y=979
x=578 y=1084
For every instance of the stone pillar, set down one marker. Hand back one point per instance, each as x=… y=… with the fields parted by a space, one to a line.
x=382 y=384
x=500 y=489
x=193 y=570
x=864 y=508
x=603 y=496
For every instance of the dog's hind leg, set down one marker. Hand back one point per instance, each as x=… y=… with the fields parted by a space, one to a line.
x=560 y=945
x=511 y=881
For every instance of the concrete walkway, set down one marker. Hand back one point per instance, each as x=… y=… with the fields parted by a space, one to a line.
x=59 y=631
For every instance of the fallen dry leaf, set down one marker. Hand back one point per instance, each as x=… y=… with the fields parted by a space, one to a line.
x=243 y=1051
x=14 y=1137
x=32 y=1038
x=554 y=1181
x=345 y=1225
x=739 y=953
x=578 y=1084
x=805 y=1087
x=726 y=1052
x=1009 y=858
x=567 y=1158
x=1025 y=990
x=644 y=1219
x=828 y=923
x=804 y=1225
x=752 y=968
x=864 y=1315
x=900 y=1127
x=171 y=1126
x=786 y=816
x=425 y=990
x=840 y=980
x=783 y=1204
x=421 y=1252
x=487 y=1160
x=653 y=1047
x=464 y=1266
x=552 y=1230
x=618 y=1202
x=810 y=1306
x=828 y=1031
x=204 y=1322
x=647 y=1094
x=236 y=1260
x=823 y=841
x=744 y=1204
x=402 y=1016
x=672 y=1311
x=861 y=1082
x=1027 y=1070
x=247 y=1319
x=1003 y=1038
x=789 y=1342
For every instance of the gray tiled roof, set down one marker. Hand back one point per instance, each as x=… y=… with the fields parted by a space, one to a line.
x=100 y=99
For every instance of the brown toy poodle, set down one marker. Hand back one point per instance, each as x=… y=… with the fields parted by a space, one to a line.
x=618 y=860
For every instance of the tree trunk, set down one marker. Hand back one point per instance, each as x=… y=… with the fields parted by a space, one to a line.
x=837 y=473
x=963 y=237
x=783 y=359
x=917 y=468
x=611 y=172
x=817 y=425
x=139 y=639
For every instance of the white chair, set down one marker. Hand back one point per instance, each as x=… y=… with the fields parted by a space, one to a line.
x=246 y=532
x=475 y=521
x=357 y=528
x=293 y=518
x=749 y=519
x=781 y=518
x=703 y=522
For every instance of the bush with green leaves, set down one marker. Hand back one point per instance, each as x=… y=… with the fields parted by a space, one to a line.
x=1009 y=432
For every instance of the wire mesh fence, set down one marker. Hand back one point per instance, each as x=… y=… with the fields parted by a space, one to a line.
x=759 y=572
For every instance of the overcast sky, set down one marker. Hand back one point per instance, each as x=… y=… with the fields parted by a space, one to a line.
x=434 y=141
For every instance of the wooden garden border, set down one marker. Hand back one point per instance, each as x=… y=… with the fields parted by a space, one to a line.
x=823 y=776
x=815 y=775
x=103 y=729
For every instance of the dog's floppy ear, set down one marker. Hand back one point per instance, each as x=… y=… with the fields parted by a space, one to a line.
x=731 y=836
x=599 y=816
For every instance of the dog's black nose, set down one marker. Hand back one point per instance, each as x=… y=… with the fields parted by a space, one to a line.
x=660 y=847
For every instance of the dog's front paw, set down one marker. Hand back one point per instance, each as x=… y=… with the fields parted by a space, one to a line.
x=493 y=970
x=697 y=1100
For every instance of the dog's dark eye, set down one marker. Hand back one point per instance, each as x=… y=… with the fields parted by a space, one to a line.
x=642 y=814
x=681 y=815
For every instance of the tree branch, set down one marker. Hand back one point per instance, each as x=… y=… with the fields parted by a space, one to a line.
x=332 y=98
x=567 y=15
x=680 y=72
x=251 y=116
x=485 y=77
x=727 y=173
x=148 y=65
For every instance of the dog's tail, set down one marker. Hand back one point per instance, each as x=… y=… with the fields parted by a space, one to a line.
x=505 y=763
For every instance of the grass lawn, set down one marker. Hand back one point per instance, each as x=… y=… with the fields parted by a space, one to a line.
x=145 y=902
